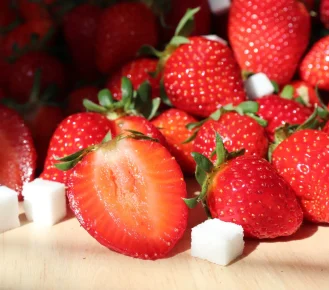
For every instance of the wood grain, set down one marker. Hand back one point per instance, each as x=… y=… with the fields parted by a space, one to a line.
x=66 y=257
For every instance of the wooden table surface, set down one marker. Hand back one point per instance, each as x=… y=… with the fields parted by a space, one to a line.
x=66 y=257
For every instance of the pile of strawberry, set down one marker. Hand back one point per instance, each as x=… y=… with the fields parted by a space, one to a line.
x=109 y=99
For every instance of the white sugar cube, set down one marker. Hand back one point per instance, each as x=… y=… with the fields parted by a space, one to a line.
x=217 y=241
x=215 y=37
x=219 y=6
x=258 y=86
x=8 y=209
x=44 y=201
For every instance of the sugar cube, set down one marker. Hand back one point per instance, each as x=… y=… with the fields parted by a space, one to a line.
x=217 y=241
x=8 y=209
x=258 y=85
x=219 y=6
x=215 y=37
x=44 y=201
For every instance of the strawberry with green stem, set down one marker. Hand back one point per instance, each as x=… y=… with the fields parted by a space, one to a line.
x=123 y=200
x=248 y=191
x=199 y=75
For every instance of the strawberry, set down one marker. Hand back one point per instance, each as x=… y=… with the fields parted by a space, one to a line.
x=2 y=93
x=32 y=35
x=278 y=111
x=125 y=202
x=18 y=156
x=74 y=133
x=7 y=15
x=172 y=124
x=302 y=92
x=239 y=131
x=80 y=26
x=30 y=10
x=76 y=97
x=302 y=160
x=123 y=28
x=314 y=67
x=4 y=76
x=23 y=70
x=137 y=71
x=177 y=11
x=324 y=13
x=269 y=36
x=248 y=191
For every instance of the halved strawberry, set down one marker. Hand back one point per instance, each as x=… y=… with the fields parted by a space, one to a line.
x=17 y=154
x=125 y=202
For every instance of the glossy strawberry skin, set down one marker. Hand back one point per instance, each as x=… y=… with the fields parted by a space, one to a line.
x=23 y=70
x=172 y=124
x=76 y=97
x=74 y=133
x=238 y=132
x=17 y=155
x=324 y=13
x=278 y=111
x=314 y=67
x=201 y=76
x=80 y=26
x=21 y=35
x=306 y=92
x=302 y=160
x=122 y=30
x=269 y=36
x=137 y=71
x=249 y=192
x=126 y=203
x=177 y=11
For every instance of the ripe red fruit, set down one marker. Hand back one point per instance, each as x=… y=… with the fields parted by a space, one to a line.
x=324 y=12
x=22 y=35
x=172 y=124
x=7 y=15
x=303 y=160
x=269 y=36
x=75 y=99
x=137 y=71
x=23 y=71
x=201 y=76
x=123 y=28
x=238 y=132
x=125 y=202
x=314 y=67
x=278 y=111
x=74 y=133
x=17 y=154
x=178 y=9
x=80 y=26
x=32 y=10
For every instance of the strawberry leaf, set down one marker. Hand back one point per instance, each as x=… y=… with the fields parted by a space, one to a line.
x=191 y=138
x=186 y=24
x=127 y=92
x=203 y=162
x=91 y=106
x=221 y=152
x=147 y=50
x=287 y=92
x=258 y=119
x=105 y=98
x=191 y=202
x=144 y=91
x=276 y=87
x=64 y=166
x=163 y=95
x=249 y=107
x=179 y=40
x=107 y=138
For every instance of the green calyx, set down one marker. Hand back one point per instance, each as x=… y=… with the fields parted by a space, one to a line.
x=133 y=102
x=183 y=30
x=70 y=161
x=205 y=171
x=248 y=108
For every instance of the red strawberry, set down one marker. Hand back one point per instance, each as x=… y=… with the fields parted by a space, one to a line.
x=22 y=37
x=23 y=71
x=314 y=67
x=177 y=11
x=302 y=90
x=74 y=133
x=324 y=12
x=2 y=93
x=269 y=36
x=278 y=111
x=125 y=202
x=172 y=123
x=4 y=76
x=7 y=15
x=326 y=128
x=201 y=76
x=75 y=99
x=123 y=28
x=302 y=159
x=247 y=190
x=17 y=154
x=80 y=26
x=238 y=132
x=30 y=10
x=137 y=71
